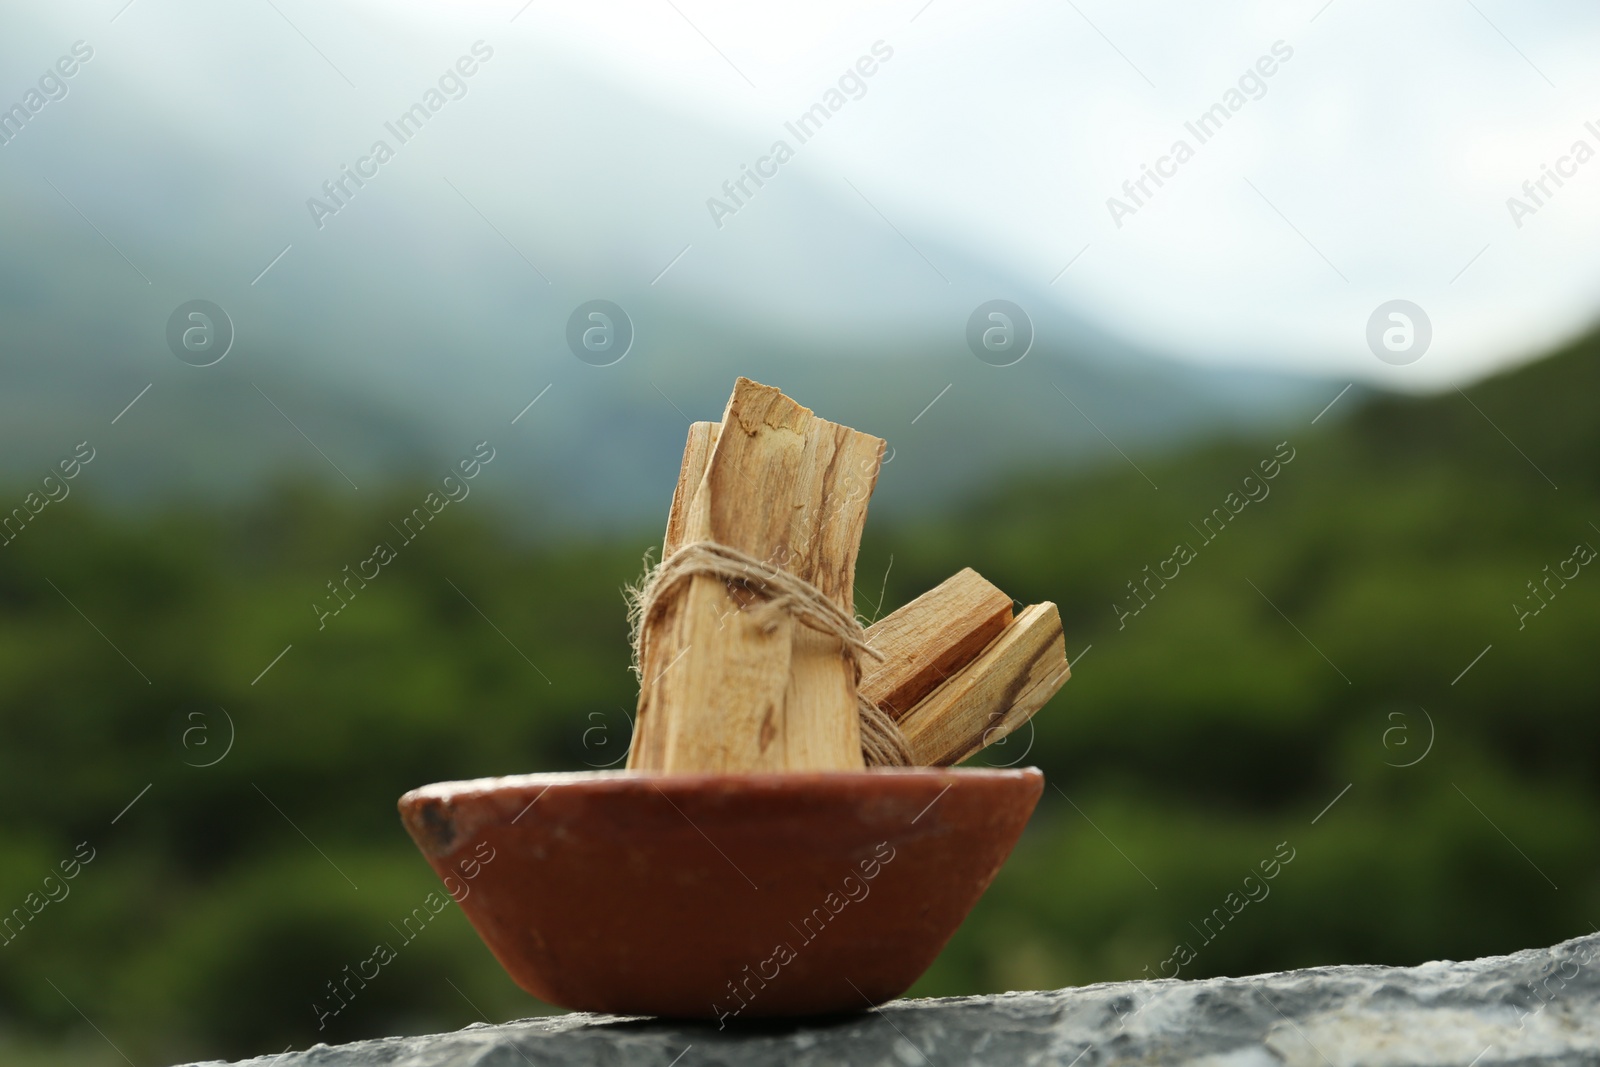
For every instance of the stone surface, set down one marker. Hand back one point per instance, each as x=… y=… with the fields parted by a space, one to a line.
x=1535 y=1007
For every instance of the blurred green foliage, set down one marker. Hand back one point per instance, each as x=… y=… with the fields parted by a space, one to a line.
x=1317 y=643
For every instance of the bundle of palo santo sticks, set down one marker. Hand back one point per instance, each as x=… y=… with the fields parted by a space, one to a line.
x=749 y=654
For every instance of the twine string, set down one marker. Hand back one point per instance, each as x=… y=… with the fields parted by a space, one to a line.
x=781 y=593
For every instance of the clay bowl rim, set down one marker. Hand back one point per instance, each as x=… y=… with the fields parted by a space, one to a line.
x=772 y=781
x=618 y=775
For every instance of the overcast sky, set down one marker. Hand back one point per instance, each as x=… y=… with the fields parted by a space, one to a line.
x=1373 y=163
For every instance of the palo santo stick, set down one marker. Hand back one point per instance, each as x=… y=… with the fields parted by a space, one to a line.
x=696 y=454
x=994 y=694
x=649 y=742
x=731 y=687
x=931 y=638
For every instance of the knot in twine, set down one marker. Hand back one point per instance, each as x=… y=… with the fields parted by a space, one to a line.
x=781 y=593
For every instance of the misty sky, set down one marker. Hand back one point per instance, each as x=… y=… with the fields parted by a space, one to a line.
x=1374 y=162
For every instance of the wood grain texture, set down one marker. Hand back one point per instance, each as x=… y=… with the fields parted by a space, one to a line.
x=648 y=748
x=696 y=455
x=992 y=695
x=732 y=686
x=929 y=639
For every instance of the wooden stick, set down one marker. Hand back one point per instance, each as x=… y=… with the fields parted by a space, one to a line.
x=994 y=694
x=649 y=742
x=731 y=687
x=696 y=454
x=931 y=638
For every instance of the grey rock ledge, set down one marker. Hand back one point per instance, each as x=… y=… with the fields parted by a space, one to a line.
x=1536 y=1007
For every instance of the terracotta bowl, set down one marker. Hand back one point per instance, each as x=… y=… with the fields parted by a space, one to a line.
x=720 y=896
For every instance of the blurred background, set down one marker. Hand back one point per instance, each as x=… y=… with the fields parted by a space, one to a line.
x=1352 y=245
